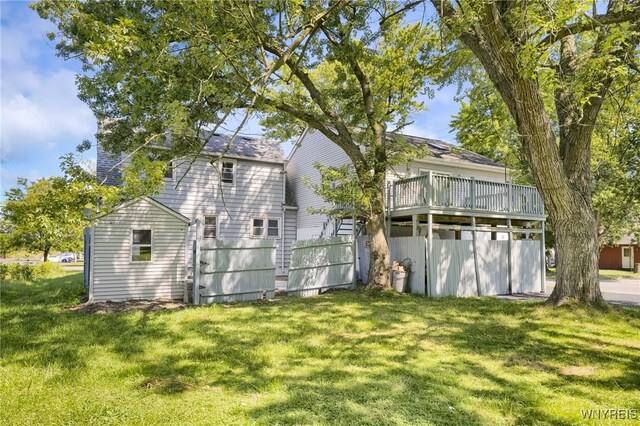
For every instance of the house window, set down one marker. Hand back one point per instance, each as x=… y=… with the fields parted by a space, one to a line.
x=228 y=171
x=262 y=228
x=168 y=171
x=258 y=228
x=273 y=228
x=141 y=245
x=210 y=227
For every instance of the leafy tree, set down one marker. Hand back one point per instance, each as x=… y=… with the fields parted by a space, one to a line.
x=350 y=70
x=577 y=52
x=484 y=125
x=49 y=214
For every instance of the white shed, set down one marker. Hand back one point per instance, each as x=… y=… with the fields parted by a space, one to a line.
x=138 y=252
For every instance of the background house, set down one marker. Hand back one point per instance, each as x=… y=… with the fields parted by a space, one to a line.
x=241 y=195
x=623 y=255
x=482 y=231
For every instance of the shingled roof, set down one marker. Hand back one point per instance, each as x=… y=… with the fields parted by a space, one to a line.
x=245 y=147
x=446 y=151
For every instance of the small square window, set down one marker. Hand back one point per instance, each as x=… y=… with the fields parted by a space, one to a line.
x=210 y=226
x=258 y=227
x=168 y=171
x=273 y=229
x=227 y=172
x=141 y=245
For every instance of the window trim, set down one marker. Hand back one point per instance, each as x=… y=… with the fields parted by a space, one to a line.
x=235 y=170
x=172 y=166
x=204 y=225
x=266 y=220
x=140 y=228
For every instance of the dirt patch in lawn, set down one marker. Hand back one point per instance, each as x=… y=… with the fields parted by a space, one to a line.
x=129 y=305
x=577 y=371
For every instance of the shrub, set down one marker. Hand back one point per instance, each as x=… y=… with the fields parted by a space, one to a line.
x=29 y=272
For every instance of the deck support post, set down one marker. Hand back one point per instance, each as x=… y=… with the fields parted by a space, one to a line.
x=475 y=254
x=414 y=222
x=543 y=260
x=430 y=273
x=509 y=262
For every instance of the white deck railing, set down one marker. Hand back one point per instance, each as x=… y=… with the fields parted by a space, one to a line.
x=465 y=193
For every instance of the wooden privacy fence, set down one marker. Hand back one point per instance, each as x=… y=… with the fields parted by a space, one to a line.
x=453 y=269
x=401 y=248
x=233 y=270
x=321 y=263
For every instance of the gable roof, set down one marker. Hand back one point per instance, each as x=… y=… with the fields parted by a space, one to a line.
x=152 y=201
x=244 y=147
x=446 y=151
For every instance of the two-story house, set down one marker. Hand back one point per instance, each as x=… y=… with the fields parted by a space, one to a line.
x=238 y=195
x=463 y=203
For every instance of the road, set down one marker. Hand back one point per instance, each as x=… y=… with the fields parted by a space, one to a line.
x=624 y=291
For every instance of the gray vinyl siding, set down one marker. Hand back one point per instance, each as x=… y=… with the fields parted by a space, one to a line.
x=290 y=234
x=256 y=193
x=116 y=277
x=313 y=147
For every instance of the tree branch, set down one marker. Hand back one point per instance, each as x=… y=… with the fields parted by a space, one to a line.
x=591 y=23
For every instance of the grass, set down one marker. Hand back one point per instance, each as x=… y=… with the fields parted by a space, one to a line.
x=613 y=274
x=342 y=358
x=606 y=274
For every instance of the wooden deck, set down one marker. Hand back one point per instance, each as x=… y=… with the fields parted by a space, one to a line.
x=432 y=192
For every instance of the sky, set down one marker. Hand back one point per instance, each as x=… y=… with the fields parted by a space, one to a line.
x=41 y=117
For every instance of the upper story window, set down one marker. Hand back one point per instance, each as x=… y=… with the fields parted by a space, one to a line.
x=141 y=245
x=210 y=227
x=168 y=171
x=228 y=171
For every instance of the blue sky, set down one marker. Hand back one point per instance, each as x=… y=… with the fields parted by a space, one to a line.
x=41 y=117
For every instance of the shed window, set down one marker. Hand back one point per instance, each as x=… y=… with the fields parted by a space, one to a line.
x=210 y=227
x=141 y=245
x=228 y=171
x=258 y=228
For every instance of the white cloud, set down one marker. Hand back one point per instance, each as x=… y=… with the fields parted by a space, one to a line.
x=40 y=109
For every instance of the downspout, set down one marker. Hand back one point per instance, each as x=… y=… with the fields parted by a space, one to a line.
x=284 y=200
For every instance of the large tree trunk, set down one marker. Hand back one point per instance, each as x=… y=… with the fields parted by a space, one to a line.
x=45 y=254
x=379 y=255
x=577 y=260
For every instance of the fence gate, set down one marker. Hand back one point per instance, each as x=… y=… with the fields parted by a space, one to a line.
x=233 y=270
x=321 y=263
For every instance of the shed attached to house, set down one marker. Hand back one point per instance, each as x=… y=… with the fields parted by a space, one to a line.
x=138 y=252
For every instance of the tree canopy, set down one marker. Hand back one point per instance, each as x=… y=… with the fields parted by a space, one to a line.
x=351 y=70
x=484 y=125
x=554 y=66
x=49 y=214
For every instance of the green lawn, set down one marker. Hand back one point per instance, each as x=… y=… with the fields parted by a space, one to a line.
x=606 y=274
x=344 y=358
x=613 y=274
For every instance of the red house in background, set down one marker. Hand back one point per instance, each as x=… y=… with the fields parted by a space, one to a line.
x=623 y=255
